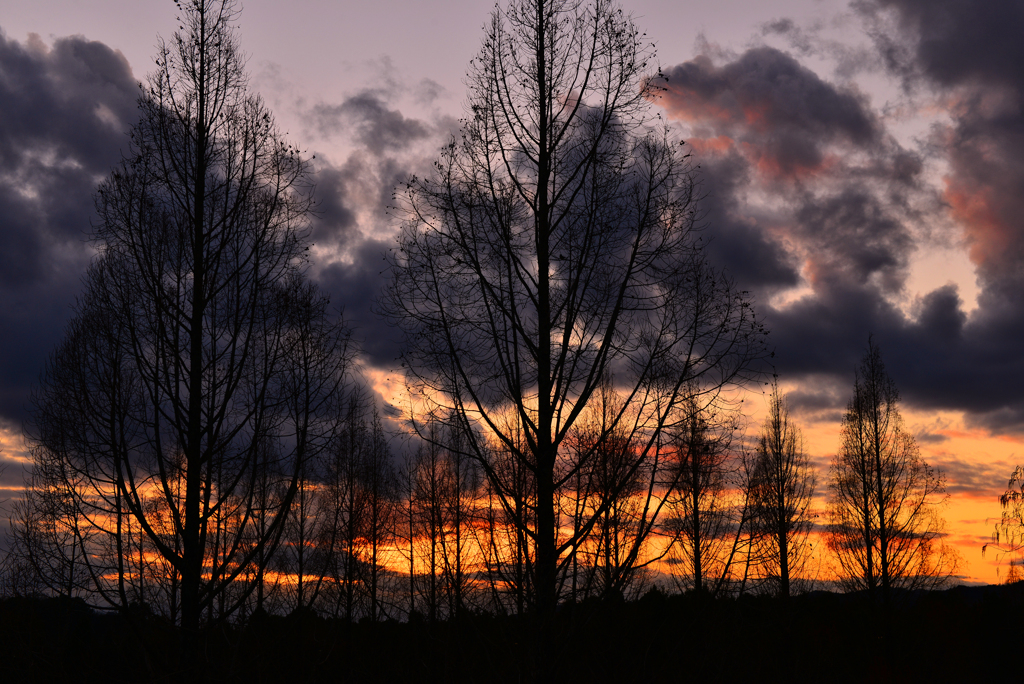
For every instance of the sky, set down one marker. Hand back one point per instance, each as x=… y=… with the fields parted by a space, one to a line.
x=862 y=164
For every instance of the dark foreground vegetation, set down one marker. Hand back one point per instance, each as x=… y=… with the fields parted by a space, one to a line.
x=955 y=635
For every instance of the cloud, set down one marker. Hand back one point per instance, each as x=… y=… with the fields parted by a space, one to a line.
x=767 y=96
x=372 y=118
x=816 y=396
x=972 y=477
x=373 y=124
x=792 y=167
x=970 y=56
x=954 y=41
x=356 y=285
x=383 y=148
x=815 y=206
x=64 y=111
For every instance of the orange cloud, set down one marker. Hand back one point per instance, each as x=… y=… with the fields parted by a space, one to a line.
x=719 y=145
x=989 y=238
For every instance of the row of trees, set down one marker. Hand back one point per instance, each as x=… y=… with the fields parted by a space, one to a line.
x=366 y=538
x=199 y=446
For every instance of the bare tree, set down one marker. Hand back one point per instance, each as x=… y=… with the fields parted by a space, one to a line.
x=444 y=494
x=507 y=554
x=211 y=343
x=47 y=537
x=427 y=524
x=347 y=505
x=380 y=486
x=701 y=510
x=556 y=241
x=781 y=486
x=1008 y=541
x=314 y=404
x=614 y=559
x=884 y=527
x=268 y=490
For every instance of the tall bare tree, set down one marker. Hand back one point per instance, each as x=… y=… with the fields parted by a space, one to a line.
x=781 y=486
x=701 y=511
x=884 y=527
x=556 y=241
x=210 y=342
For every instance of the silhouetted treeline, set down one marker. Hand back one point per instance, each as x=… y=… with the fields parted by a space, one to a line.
x=368 y=533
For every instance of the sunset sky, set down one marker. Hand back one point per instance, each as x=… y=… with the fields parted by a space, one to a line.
x=863 y=165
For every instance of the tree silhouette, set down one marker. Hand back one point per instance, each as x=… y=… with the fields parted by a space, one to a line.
x=701 y=510
x=781 y=486
x=196 y=342
x=379 y=483
x=556 y=241
x=444 y=492
x=614 y=560
x=507 y=553
x=1008 y=540
x=884 y=529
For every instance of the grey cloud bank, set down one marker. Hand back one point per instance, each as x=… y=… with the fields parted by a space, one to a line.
x=847 y=203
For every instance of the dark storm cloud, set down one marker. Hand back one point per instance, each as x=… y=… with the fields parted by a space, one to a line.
x=354 y=228
x=970 y=56
x=336 y=224
x=356 y=286
x=64 y=111
x=737 y=241
x=809 y=171
x=763 y=122
x=817 y=400
x=955 y=41
x=367 y=117
x=792 y=165
x=356 y=231
x=767 y=92
x=854 y=236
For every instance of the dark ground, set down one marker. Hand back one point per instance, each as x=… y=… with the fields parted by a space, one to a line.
x=963 y=634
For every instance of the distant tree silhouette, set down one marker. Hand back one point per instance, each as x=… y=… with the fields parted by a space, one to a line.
x=379 y=481
x=360 y=490
x=444 y=499
x=44 y=543
x=701 y=511
x=427 y=522
x=1008 y=540
x=507 y=553
x=781 y=485
x=268 y=490
x=556 y=241
x=197 y=342
x=614 y=560
x=884 y=528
